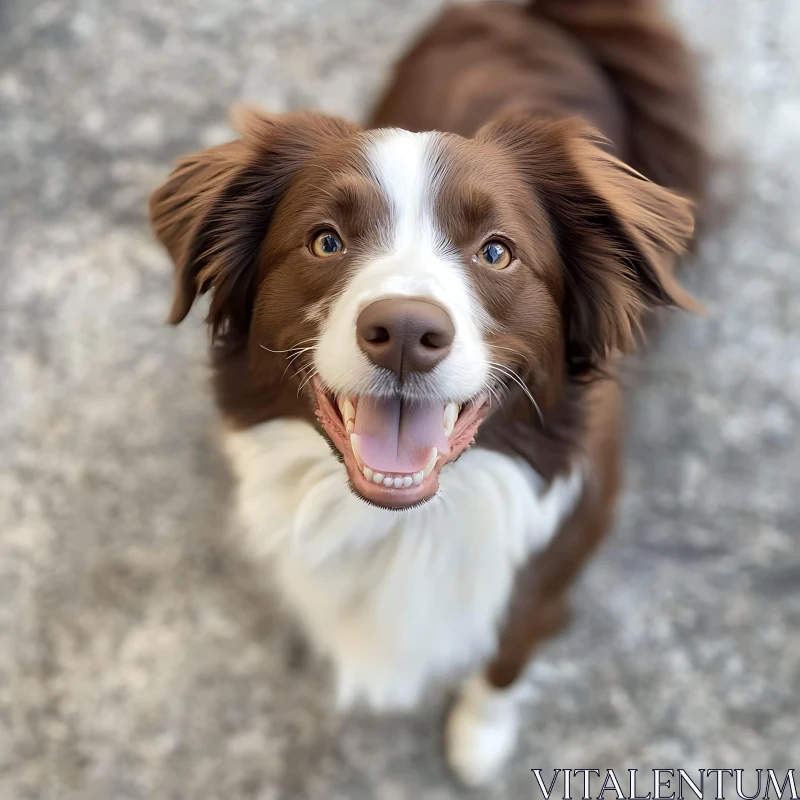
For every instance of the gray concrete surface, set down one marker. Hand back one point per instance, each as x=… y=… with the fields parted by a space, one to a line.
x=140 y=655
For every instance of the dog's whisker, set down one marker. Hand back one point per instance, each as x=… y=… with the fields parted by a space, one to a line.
x=529 y=396
x=492 y=392
x=306 y=381
x=514 y=377
x=525 y=359
x=300 y=353
x=293 y=360
x=296 y=351
x=293 y=347
x=495 y=390
x=299 y=372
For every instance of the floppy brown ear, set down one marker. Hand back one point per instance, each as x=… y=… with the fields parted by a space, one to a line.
x=180 y=210
x=618 y=233
x=214 y=210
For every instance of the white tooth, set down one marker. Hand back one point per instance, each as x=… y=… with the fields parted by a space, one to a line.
x=348 y=412
x=407 y=481
x=350 y=425
x=398 y=483
x=417 y=478
x=434 y=455
x=450 y=417
x=356 y=452
x=368 y=473
x=388 y=481
x=377 y=477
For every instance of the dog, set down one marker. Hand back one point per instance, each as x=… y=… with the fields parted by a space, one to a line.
x=415 y=330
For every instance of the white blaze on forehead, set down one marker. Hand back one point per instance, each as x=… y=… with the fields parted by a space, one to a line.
x=404 y=165
x=411 y=258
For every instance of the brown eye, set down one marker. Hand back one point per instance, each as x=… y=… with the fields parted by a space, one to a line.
x=494 y=254
x=326 y=244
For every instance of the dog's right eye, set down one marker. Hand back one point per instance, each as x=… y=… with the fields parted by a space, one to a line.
x=326 y=244
x=495 y=254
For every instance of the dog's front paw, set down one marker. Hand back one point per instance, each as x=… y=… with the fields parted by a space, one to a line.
x=481 y=732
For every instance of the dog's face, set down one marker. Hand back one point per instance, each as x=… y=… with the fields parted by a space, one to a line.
x=405 y=282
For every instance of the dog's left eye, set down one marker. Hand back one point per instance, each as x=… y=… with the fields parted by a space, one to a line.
x=326 y=244
x=494 y=254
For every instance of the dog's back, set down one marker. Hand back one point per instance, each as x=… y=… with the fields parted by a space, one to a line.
x=619 y=64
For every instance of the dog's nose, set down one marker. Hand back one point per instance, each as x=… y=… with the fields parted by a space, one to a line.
x=405 y=335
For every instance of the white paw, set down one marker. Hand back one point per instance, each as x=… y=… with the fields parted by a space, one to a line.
x=481 y=732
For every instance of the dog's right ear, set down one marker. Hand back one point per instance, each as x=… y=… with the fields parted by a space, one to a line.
x=181 y=208
x=214 y=210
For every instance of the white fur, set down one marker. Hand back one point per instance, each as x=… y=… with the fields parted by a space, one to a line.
x=396 y=599
x=481 y=731
x=411 y=260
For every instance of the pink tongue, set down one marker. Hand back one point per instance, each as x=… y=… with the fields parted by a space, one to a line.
x=397 y=436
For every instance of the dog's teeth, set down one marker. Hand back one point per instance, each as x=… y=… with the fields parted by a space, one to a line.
x=393 y=481
x=354 y=444
x=450 y=417
x=431 y=463
x=348 y=413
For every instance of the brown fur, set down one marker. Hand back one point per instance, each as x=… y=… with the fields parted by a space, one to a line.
x=595 y=240
x=617 y=64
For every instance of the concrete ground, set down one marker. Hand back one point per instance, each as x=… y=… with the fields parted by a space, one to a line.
x=140 y=655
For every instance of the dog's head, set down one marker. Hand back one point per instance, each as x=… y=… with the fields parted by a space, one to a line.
x=407 y=281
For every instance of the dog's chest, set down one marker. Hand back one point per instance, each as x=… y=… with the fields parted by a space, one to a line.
x=396 y=599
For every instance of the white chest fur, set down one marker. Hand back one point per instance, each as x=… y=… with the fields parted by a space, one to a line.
x=395 y=599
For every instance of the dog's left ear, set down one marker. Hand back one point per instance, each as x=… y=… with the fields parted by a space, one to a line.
x=618 y=234
x=214 y=210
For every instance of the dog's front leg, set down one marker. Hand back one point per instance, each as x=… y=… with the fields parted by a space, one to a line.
x=481 y=730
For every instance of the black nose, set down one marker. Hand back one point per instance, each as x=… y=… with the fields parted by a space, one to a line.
x=405 y=335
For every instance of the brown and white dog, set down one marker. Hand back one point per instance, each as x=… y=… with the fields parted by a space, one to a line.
x=414 y=332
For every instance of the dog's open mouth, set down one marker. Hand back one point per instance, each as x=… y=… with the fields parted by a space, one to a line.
x=393 y=448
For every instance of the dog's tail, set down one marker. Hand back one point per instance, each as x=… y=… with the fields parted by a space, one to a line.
x=643 y=54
